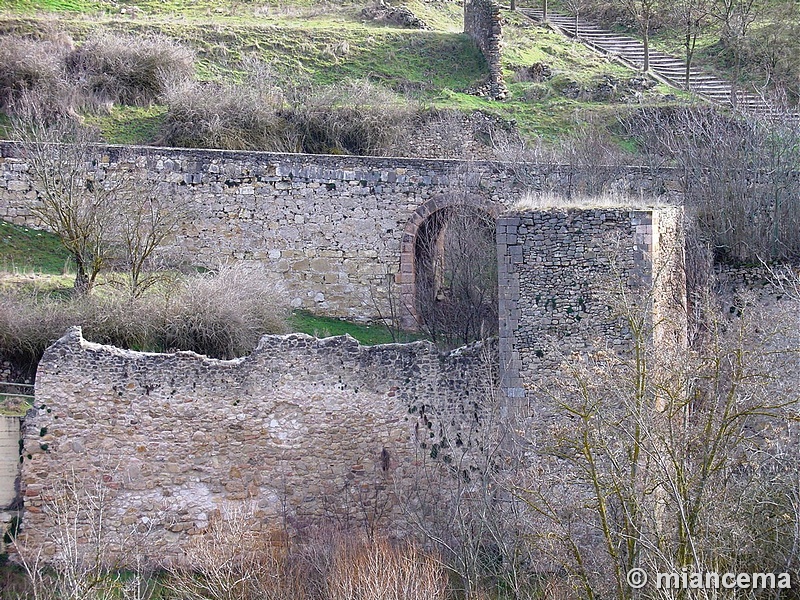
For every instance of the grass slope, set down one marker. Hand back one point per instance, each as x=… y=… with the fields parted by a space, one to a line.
x=369 y=335
x=25 y=250
x=322 y=44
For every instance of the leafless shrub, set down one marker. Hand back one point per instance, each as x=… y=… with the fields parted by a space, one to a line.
x=224 y=314
x=353 y=117
x=221 y=315
x=82 y=556
x=377 y=570
x=738 y=173
x=29 y=323
x=230 y=561
x=130 y=70
x=32 y=73
x=233 y=117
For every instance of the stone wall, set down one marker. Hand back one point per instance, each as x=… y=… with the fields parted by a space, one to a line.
x=331 y=227
x=482 y=23
x=302 y=431
x=9 y=460
x=559 y=271
x=9 y=473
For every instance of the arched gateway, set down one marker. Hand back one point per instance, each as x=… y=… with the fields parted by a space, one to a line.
x=448 y=268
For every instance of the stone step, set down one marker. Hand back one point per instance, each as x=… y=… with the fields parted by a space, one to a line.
x=670 y=67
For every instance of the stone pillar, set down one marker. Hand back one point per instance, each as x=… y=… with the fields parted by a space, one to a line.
x=553 y=268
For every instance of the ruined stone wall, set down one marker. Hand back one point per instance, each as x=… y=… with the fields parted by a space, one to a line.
x=330 y=226
x=303 y=431
x=482 y=23
x=562 y=270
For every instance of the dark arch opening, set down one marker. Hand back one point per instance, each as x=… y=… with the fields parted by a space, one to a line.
x=455 y=270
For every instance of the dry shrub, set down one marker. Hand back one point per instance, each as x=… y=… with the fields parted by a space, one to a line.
x=352 y=117
x=233 y=117
x=130 y=69
x=230 y=561
x=30 y=323
x=33 y=71
x=224 y=314
x=378 y=570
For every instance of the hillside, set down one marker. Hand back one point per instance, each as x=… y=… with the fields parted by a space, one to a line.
x=303 y=50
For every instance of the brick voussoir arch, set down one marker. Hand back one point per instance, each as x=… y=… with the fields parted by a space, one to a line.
x=406 y=276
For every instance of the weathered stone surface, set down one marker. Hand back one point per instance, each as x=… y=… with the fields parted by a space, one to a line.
x=557 y=269
x=482 y=22
x=301 y=431
x=283 y=211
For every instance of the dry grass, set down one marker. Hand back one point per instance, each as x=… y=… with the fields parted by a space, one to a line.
x=553 y=201
x=224 y=314
x=352 y=117
x=220 y=314
x=32 y=71
x=377 y=570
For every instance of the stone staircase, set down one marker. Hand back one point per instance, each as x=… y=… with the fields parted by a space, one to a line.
x=664 y=67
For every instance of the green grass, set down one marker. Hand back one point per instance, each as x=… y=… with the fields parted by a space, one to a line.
x=323 y=44
x=130 y=124
x=305 y=322
x=25 y=250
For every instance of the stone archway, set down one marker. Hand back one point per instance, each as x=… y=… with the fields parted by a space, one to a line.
x=427 y=250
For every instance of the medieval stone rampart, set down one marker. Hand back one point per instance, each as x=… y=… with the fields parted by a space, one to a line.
x=333 y=228
x=303 y=431
x=560 y=272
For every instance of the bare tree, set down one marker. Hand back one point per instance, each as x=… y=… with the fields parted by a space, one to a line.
x=104 y=215
x=76 y=200
x=735 y=18
x=148 y=216
x=691 y=16
x=657 y=460
x=642 y=12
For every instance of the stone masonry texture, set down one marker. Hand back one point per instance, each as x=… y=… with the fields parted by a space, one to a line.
x=301 y=431
x=482 y=22
x=555 y=269
x=331 y=227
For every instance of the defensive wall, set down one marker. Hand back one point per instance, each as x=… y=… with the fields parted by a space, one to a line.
x=301 y=432
x=306 y=430
x=562 y=273
x=338 y=230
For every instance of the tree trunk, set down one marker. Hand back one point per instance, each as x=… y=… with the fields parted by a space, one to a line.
x=646 y=41
x=513 y=4
x=688 y=45
x=544 y=10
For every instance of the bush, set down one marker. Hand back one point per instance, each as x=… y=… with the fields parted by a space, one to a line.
x=226 y=116
x=225 y=313
x=130 y=70
x=353 y=117
x=32 y=71
x=377 y=570
x=221 y=315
